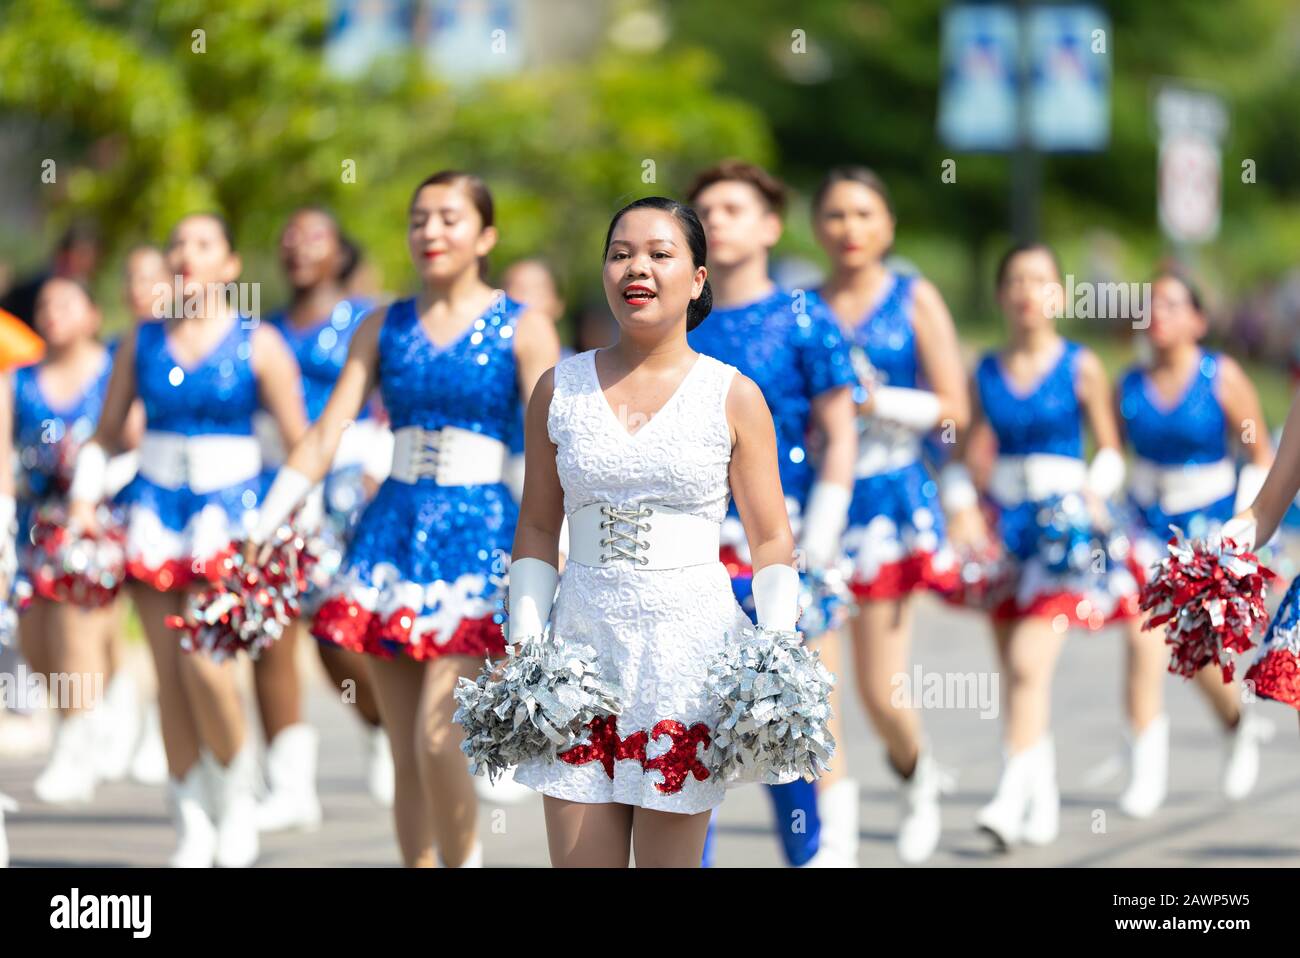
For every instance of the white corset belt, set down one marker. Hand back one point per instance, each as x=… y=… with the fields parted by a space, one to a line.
x=200 y=463
x=640 y=536
x=1037 y=476
x=450 y=456
x=879 y=454
x=1182 y=488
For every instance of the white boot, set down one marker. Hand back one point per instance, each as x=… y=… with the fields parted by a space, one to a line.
x=7 y=804
x=379 y=766
x=234 y=800
x=838 y=808
x=473 y=860
x=1003 y=818
x=1043 y=816
x=1148 y=770
x=196 y=836
x=70 y=775
x=149 y=764
x=1241 y=763
x=117 y=727
x=920 y=824
x=291 y=800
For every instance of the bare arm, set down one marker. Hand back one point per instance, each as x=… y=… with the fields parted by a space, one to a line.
x=541 y=513
x=940 y=354
x=537 y=349
x=1243 y=412
x=118 y=398
x=834 y=414
x=1095 y=397
x=755 y=481
x=1283 y=479
x=314 y=451
x=279 y=383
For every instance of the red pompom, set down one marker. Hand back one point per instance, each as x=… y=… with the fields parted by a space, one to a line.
x=1209 y=595
x=71 y=565
x=249 y=604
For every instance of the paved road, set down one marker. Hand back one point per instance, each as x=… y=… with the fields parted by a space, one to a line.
x=127 y=825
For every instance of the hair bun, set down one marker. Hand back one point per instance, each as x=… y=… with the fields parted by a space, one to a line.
x=699 y=308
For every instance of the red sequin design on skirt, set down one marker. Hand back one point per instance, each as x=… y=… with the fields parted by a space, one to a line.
x=681 y=759
x=345 y=623
x=1277 y=677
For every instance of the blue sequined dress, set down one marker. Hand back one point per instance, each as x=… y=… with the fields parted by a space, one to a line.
x=895 y=537
x=789 y=344
x=1051 y=539
x=174 y=534
x=1182 y=475
x=46 y=440
x=425 y=566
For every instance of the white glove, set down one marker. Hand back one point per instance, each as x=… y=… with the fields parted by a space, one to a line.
x=1241 y=531
x=1106 y=473
x=287 y=489
x=1249 y=482
x=917 y=409
x=532 y=593
x=379 y=458
x=776 y=597
x=89 y=475
x=956 y=490
x=824 y=522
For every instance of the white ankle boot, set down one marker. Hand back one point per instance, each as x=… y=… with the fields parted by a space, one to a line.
x=1043 y=816
x=70 y=775
x=117 y=728
x=379 y=766
x=920 y=824
x=291 y=800
x=1241 y=762
x=838 y=808
x=196 y=835
x=149 y=764
x=1148 y=770
x=7 y=805
x=1026 y=805
x=473 y=860
x=234 y=802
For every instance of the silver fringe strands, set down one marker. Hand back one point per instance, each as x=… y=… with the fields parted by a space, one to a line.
x=773 y=694
x=535 y=702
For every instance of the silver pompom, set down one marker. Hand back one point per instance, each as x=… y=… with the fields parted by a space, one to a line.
x=532 y=704
x=774 y=695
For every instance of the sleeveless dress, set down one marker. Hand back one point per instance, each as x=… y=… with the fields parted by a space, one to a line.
x=1192 y=432
x=895 y=536
x=1047 y=419
x=46 y=439
x=789 y=344
x=654 y=631
x=173 y=535
x=425 y=566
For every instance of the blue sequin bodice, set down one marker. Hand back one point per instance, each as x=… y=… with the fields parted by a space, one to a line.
x=321 y=350
x=1191 y=431
x=470 y=382
x=1045 y=419
x=790 y=346
x=887 y=337
x=46 y=436
x=217 y=397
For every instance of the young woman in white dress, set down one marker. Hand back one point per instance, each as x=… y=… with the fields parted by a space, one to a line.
x=640 y=445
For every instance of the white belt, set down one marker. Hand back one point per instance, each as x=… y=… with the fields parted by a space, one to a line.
x=1037 y=476
x=879 y=454
x=201 y=463
x=355 y=444
x=640 y=536
x=451 y=456
x=1184 y=488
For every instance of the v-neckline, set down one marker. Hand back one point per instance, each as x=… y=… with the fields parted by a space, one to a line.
x=66 y=409
x=652 y=417
x=455 y=340
x=202 y=360
x=1157 y=401
x=1039 y=382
